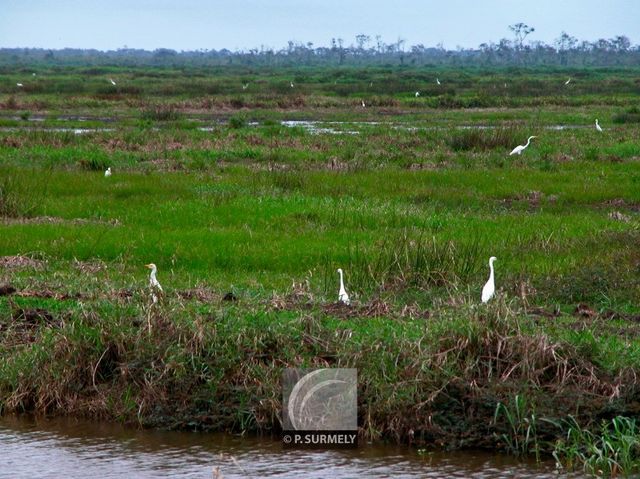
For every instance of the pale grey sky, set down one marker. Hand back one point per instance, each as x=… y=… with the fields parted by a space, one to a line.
x=242 y=24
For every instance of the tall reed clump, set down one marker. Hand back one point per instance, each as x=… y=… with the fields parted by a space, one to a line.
x=411 y=260
x=483 y=139
x=94 y=160
x=18 y=196
x=612 y=451
x=237 y=121
x=520 y=437
x=161 y=113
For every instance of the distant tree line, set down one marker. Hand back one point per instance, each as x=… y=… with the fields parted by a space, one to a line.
x=566 y=50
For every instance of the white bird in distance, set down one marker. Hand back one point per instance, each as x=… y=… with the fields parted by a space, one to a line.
x=343 y=297
x=154 y=284
x=490 y=287
x=520 y=148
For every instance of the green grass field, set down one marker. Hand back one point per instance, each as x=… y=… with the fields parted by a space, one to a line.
x=410 y=196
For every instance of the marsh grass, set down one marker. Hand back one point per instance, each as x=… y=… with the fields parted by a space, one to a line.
x=411 y=259
x=94 y=161
x=631 y=115
x=289 y=181
x=269 y=212
x=611 y=450
x=160 y=112
x=237 y=121
x=20 y=194
x=208 y=364
x=489 y=139
x=521 y=437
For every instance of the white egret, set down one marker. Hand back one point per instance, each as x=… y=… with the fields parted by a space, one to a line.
x=520 y=148
x=598 y=127
x=343 y=297
x=245 y=86
x=19 y=85
x=417 y=94
x=568 y=81
x=154 y=284
x=490 y=288
x=107 y=172
x=291 y=84
x=438 y=81
x=363 y=104
x=33 y=74
x=112 y=82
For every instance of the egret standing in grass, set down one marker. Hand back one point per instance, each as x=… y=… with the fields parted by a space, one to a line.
x=490 y=288
x=343 y=297
x=438 y=81
x=245 y=86
x=291 y=84
x=363 y=104
x=417 y=94
x=520 y=148
x=107 y=172
x=154 y=284
x=19 y=85
x=568 y=81
x=112 y=82
x=598 y=127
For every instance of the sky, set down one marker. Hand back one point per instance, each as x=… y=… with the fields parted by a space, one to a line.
x=244 y=24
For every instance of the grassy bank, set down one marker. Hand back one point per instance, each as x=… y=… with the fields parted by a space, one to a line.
x=410 y=200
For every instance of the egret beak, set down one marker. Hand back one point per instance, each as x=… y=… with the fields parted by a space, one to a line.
x=147 y=266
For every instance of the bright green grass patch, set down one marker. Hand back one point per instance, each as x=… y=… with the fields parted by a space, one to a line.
x=240 y=225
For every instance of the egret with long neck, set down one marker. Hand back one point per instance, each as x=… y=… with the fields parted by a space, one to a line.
x=154 y=284
x=490 y=287
x=598 y=127
x=520 y=148
x=343 y=297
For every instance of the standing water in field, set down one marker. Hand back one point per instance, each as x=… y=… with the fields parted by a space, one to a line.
x=73 y=448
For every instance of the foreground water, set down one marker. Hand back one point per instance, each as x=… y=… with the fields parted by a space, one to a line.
x=72 y=448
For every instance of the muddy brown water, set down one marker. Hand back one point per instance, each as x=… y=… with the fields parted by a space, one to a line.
x=71 y=448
